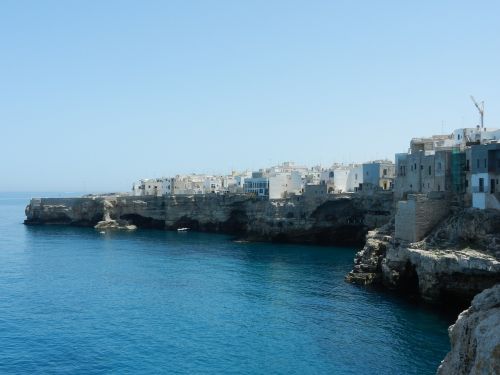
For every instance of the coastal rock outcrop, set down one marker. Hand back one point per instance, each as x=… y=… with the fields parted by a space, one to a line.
x=64 y=211
x=475 y=338
x=114 y=224
x=107 y=223
x=457 y=260
x=368 y=261
x=341 y=219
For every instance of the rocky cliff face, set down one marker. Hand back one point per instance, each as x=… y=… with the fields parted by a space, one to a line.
x=368 y=262
x=456 y=261
x=475 y=338
x=335 y=219
x=65 y=211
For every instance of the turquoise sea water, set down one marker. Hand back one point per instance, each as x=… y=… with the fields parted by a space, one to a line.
x=76 y=301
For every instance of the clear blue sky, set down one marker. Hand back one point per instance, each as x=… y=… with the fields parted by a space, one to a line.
x=96 y=94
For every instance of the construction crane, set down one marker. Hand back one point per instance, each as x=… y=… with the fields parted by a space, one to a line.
x=480 y=108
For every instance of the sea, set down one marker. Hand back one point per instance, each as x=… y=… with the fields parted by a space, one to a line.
x=76 y=301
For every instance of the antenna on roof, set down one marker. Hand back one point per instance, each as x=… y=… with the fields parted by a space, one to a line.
x=480 y=108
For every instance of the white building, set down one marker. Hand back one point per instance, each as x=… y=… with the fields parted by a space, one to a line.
x=274 y=185
x=282 y=185
x=188 y=184
x=213 y=184
x=287 y=167
x=336 y=178
x=466 y=136
x=151 y=186
x=342 y=178
x=312 y=176
x=235 y=182
x=354 y=178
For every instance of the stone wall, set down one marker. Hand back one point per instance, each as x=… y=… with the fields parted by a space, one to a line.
x=418 y=215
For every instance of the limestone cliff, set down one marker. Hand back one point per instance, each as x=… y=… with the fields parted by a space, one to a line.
x=475 y=338
x=334 y=219
x=457 y=260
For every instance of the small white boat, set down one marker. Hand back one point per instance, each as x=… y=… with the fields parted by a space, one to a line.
x=182 y=229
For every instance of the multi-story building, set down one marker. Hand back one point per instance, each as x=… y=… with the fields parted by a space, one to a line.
x=484 y=164
x=234 y=183
x=152 y=186
x=465 y=137
x=378 y=174
x=258 y=184
x=461 y=164
x=341 y=178
x=275 y=185
x=431 y=164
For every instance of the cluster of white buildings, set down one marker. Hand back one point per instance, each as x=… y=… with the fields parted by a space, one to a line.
x=277 y=182
x=465 y=163
x=191 y=184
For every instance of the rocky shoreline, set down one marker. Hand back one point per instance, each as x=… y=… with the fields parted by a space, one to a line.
x=334 y=220
x=475 y=338
x=453 y=265
x=456 y=261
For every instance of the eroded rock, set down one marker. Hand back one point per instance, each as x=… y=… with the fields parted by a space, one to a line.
x=475 y=338
x=448 y=265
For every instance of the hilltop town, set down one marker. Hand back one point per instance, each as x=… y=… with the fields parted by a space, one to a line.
x=463 y=166
x=428 y=224
x=277 y=182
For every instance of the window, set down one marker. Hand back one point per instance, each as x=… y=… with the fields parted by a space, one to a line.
x=439 y=166
x=385 y=172
x=481 y=185
x=429 y=170
x=331 y=174
x=477 y=163
x=485 y=161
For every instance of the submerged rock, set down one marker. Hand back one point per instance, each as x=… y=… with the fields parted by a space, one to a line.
x=475 y=338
